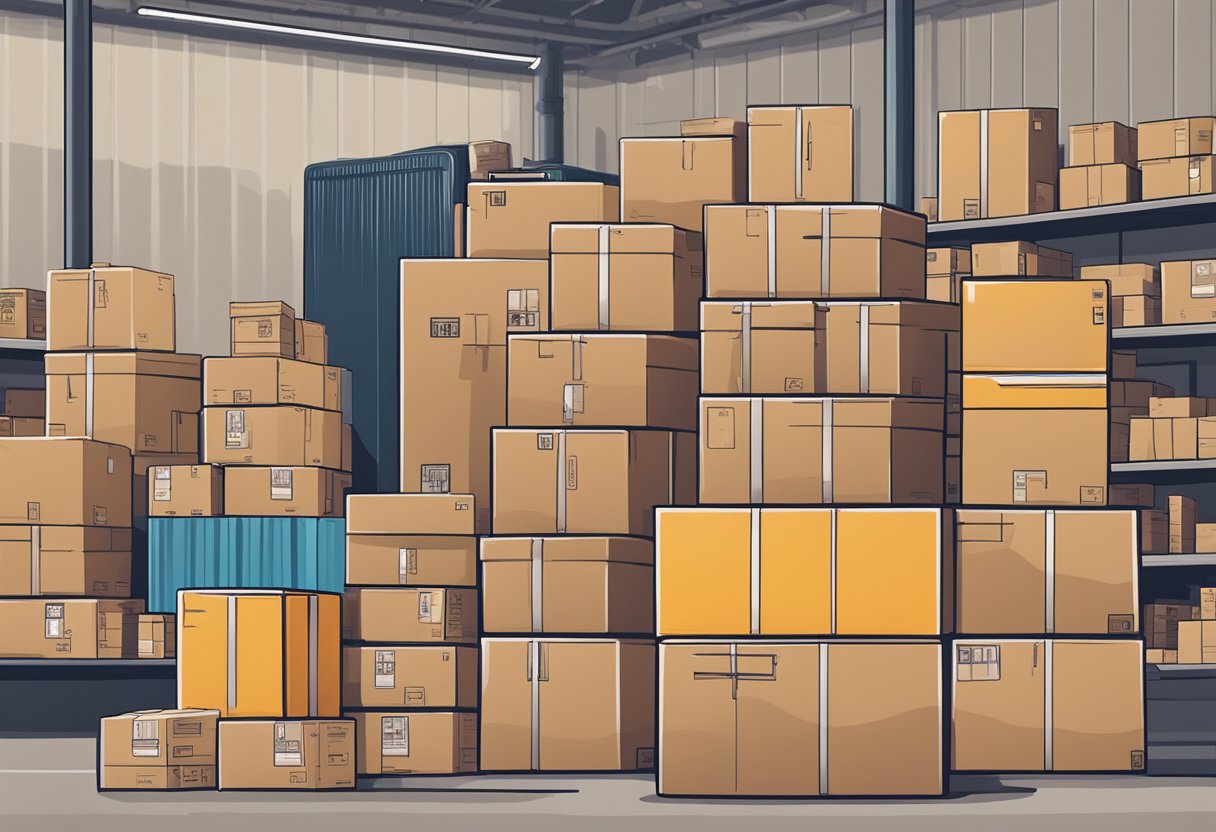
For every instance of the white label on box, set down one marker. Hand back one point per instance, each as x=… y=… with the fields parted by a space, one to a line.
x=288 y=744
x=235 y=434
x=162 y=485
x=54 y=621
x=145 y=738
x=426 y=608
x=280 y=483
x=386 y=669
x=395 y=736
x=407 y=564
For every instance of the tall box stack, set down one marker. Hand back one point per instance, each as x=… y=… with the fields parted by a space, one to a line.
x=1102 y=166
x=410 y=625
x=1175 y=157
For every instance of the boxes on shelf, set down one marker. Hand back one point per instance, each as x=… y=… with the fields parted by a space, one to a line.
x=1188 y=291
x=1103 y=143
x=65 y=560
x=1161 y=622
x=1068 y=318
x=158 y=750
x=1205 y=537
x=800 y=153
x=263 y=328
x=295 y=754
x=1179 y=407
x=1091 y=185
x=272 y=435
x=186 y=491
x=511 y=219
x=945 y=269
x=23 y=313
x=411 y=540
x=996 y=163
x=28 y=403
x=1135 y=310
x=1168 y=438
x=109 y=307
x=1183 y=176
x=408 y=614
x=671 y=180
x=1182 y=524
x=432 y=742
x=71 y=628
x=399 y=676
x=157 y=636
x=900 y=348
x=1156 y=656
x=1197 y=642
x=312 y=344
x=1126 y=279
x=297 y=491
x=1175 y=137
x=22 y=426
x=1154 y=532
x=1018 y=258
x=65 y=482
x=1207 y=603
x=269 y=380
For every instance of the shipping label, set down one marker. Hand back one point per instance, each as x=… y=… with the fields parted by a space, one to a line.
x=288 y=744
x=395 y=736
x=236 y=433
x=280 y=483
x=162 y=484
x=145 y=738
x=386 y=669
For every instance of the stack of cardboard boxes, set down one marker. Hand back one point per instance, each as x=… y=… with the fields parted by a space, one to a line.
x=24 y=411
x=1175 y=157
x=1197 y=637
x=1176 y=427
x=1101 y=166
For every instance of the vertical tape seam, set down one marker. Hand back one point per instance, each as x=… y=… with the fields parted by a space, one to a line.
x=754 y=564
x=603 y=277
x=863 y=349
x=534 y=761
x=562 y=466
x=35 y=560
x=825 y=252
x=231 y=654
x=823 y=719
x=827 y=462
x=745 y=349
x=313 y=653
x=88 y=394
x=770 y=219
x=92 y=300
x=832 y=514
x=671 y=468
x=1050 y=570
x=538 y=554
x=983 y=164
x=1049 y=716
x=799 y=138
x=756 y=449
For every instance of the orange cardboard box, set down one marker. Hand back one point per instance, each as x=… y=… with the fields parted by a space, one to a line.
x=109 y=307
x=511 y=219
x=996 y=163
x=800 y=153
x=1068 y=318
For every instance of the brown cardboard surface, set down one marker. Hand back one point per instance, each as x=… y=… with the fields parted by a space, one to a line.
x=1122 y=365
x=713 y=126
x=24 y=402
x=1091 y=185
x=898 y=348
x=649 y=281
x=996 y=163
x=142 y=466
x=602 y=380
x=1161 y=623
x=928 y=207
x=1175 y=407
x=65 y=561
x=66 y=482
x=567 y=585
x=312 y=344
x=412 y=514
x=1207 y=604
x=263 y=328
x=877 y=450
x=1175 y=137
x=22 y=426
x=22 y=313
x=588 y=481
x=871 y=251
x=69 y=628
x=1068 y=318
x=292 y=754
x=258 y=380
x=158 y=778
x=941 y=262
x=1130 y=494
x=1188 y=291
x=1205 y=537
x=1185 y=176
x=511 y=219
x=1137 y=393
x=294 y=491
x=416 y=743
x=594 y=700
x=186 y=491
x=158 y=738
x=409 y=614
x=488 y=155
x=671 y=180
x=1197 y=642
x=1135 y=310
x=274 y=435
x=1019 y=258
x=399 y=676
x=784 y=342
x=1154 y=656
x=148 y=402
x=157 y=636
x=110 y=308
x=410 y=559
x=800 y=153
x=1126 y=278
x=1104 y=143
x=1182 y=510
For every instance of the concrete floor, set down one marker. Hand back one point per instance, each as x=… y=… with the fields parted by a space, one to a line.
x=48 y=784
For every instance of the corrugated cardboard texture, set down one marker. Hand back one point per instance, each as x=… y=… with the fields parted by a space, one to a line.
x=255 y=380
x=278 y=435
x=403 y=615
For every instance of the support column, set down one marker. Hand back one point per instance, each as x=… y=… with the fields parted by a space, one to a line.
x=77 y=134
x=550 y=105
x=899 y=90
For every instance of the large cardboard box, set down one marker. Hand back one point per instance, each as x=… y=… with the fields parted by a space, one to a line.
x=147 y=402
x=1104 y=143
x=259 y=652
x=804 y=571
x=110 y=308
x=65 y=560
x=163 y=750
x=456 y=315
x=398 y=676
x=1161 y=623
x=671 y=180
x=763 y=347
x=24 y=402
x=945 y=269
x=1188 y=291
x=631 y=278
x=813 y=251
x=437 y=514
x=1035 y=326
x=312 y=344
x=1048 y=705
x=273 y=435
x=1048 y=571
x=1185 y=176
x=1126 y=278
x=1035 y=439
x=72 y=628
x=263 y=328
x=602 y=380
x=1182 y=510
x=597 y=585
x=586 y=705
x=800 y=153
x=1175 y=137
x=22 y=313
x=801 y=719
x=1092 y=185
x=295 y=491
x=511 y=219
x=1197 y=642
x=298 y=754
x=255 y=380
x=1019 y=258
x=830 y=450
x=186 y=491
x=589 y=481
x=404 y=615
x=901 y=348
x=410 y=540
x=65 y=482
x=996 y=163
x=22 y=426
x=157 y=636
x=434 y=742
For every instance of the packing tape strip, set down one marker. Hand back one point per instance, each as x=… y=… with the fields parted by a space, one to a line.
x=231 y=652
x=603 y=277
x=91 y=303
x=671 y=467
x=832 y=570
x=799 y=143
x=1049 y=569
x=534 y=679
x=538 y=585
x=313 y=645
x=828 y=492
x=863 y=348
x=754 y=559
x=756 y=449
x=562 y=481
x=1049 y=716
x=35 y=560
x=770 y=214
x=983 y=163
x=745 y=349
x=577 y=342
x=823 y=719
x=825 y=253
x=88 y=394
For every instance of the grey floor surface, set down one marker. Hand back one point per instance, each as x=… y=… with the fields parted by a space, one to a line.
x=48 y=784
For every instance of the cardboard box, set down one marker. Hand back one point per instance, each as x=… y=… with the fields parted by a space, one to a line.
x=1182 y=512
x=110 y=308
x=186 y=491
x=1090 y=185
x=945 y=268
x=831 y=450
x=167 y=749
x=265 y=380
x=399 y=614
x=671 y=180
x=65 y=482
x=1163 y=178
x=511 y=219
x=632 y=278
x=591 y=707
x=1130 y=494
x=595 y=585
x=1126 y=278
x=392 y=676
x=841 y=729
x=1180 y=438
x=276 y=435
x=69 y=628
x=1154 y=656
x=1207 y=604
x=714 y=126
x=846 y=572
x=1068 y=318
x=763 y=347
x=1175 y=137
x=813 y=251
x=157 y=636
x=1205 y=537
x=588 y=481
x=1019 y=258
x=298 y=754
x=1161 y=623
x=1037 y=440
x=413 y=514
x=1197 y=642
x=258 y=491
x=928 y=207
x=142 y=466
x=1135 y=310
x=312 y=344
x=899 y=348
x=416 y=743
x=1048 y=571
x=488 y=155
x=996 y=163
x=1188 y=291
x=1137 y=393
x=410 y=540
x=1104 y=143
x=65 y=561
x=1090 y=718
x=23 y=402
x=146 y=402
x=1176 y=407
x=22 y=313
x=259 y=652
x=800 y=154
x=607 y=380
x=1123 y=364
x=1154 y=532
x=454 y=325
x=21 y=426
x=263 y=328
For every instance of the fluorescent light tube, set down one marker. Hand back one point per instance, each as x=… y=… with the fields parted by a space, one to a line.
x=531 y=61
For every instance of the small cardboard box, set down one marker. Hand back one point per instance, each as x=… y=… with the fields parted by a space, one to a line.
x=1185 y=176
x=1175 y=137
x=945 y=270
x=1104 y=143
x=263 y=328
x=1207 y=603
x=996 y=163
x=488 y=155
x=1122 y=366
x=1158 y=656
x=1161 y=623
x=1126 y=278
x=279 y=435
x=434 y=742
x=186 y=491
x=411 y=540
x=800 y=153
x=1135 y=310
x=1092 y=185
x=71 y=628
x=1182 y=511
x=1018 y=259
x=1154 y=532
x=399 y=676
x=22 y=313
x=1136 y=393
x=21 y=426
x=132 y=309
x=259 y=380
x=1205 y=537
x=1188 y=291
x=1069 y=319
x=511 y=219
x=784 y=343
x=295 y=754
x=65 y=561
x=24 y=402
x=1197 y=642
x=65 y=482
x=671 y=180
x=312 y=344
x=1178 y=406
x=161 y=750
x=157 y=636
x=294 y=491
x=408 y=614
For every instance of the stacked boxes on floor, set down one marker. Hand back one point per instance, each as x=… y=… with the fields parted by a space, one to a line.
x=1175 y=157
x=1102 y=167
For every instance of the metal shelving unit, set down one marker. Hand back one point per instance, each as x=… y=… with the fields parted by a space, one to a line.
x=23 y=345
x=1184 y=561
